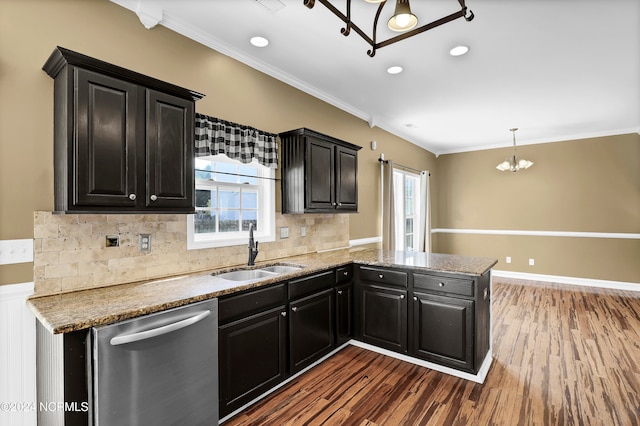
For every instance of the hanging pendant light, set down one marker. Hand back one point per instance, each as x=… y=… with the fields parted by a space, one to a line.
x=513 y=163
x=402 y=19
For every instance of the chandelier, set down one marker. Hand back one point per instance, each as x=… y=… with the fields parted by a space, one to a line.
x=514 y=163
x=403 y=20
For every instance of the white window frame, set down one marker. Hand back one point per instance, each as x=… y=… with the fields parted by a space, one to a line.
x=266 y=211
x=399 y=180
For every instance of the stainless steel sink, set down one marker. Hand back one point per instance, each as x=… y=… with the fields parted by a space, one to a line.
x=257 y=273
x=246 y=275
x=281 y=269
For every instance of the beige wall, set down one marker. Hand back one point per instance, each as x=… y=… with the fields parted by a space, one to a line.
x=30 y=30
x=588 y=185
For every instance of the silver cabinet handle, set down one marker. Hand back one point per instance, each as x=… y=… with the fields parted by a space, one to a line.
x=380 y=276
x=284 y=314
x=339 y=204
x=294 y=309
x=153 y=197
x=415 y=298
x=402 y=296
x=345 y=273
x=132 y=197
x=440 y=284
x=154 y=332
x=333 y=204
x=339 y=291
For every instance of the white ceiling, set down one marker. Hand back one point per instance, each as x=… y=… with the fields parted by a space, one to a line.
x=556 y=69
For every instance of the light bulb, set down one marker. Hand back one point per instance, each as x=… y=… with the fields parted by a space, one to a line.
x=403 y=20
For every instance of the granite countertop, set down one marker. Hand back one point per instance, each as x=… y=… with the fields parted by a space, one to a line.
x=83 y=309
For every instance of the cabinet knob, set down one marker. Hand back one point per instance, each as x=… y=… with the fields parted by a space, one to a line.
x=284 y=314
x=333 y=204
x=415 y=298
x=132 y=197
x=345 y=273
x=339 y=204
x=153 y=197
x=440 y=284
x=380 y=276
x=294 y=309
x=339 y=291
x=402 y=296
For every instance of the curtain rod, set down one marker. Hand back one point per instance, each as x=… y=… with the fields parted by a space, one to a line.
x=402 y=166
x=237 y=174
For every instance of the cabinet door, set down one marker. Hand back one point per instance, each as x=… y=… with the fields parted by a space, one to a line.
x=252 y=356
x=169 y=152
x=383 y=317
x=320 y=176
x=344 y=303
x=443 y=330
x=346 y=179
x=104 y=159
x=310 y=329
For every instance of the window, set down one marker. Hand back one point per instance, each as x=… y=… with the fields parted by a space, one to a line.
x=407 y=209
x=230 y=196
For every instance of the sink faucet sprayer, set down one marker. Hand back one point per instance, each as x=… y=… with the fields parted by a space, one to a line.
x=253 y=247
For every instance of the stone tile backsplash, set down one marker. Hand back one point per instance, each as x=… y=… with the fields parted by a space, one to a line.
x=70 y=251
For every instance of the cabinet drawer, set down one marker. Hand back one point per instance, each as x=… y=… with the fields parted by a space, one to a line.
x=383 y=276
x=344 y=274
x=243 y=305
x=443 y=284
x=311 y=284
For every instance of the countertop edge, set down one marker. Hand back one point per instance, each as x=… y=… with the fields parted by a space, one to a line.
x=76 y=322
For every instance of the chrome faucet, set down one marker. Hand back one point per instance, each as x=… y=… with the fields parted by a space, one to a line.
x=253 y=247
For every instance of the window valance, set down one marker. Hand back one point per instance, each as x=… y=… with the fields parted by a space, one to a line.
x=243 y=143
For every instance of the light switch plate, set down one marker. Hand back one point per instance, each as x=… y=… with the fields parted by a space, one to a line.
x=284 y=232
x=16 y=251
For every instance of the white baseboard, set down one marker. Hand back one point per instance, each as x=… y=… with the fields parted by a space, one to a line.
x=585 y=282
x=477 y=378
x=17 y=356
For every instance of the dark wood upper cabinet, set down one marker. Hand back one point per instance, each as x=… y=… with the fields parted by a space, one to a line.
x=319 y=173
x=123 y=142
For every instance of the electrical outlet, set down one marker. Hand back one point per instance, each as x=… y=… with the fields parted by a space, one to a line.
x=508 y=260
x=112 y=241
x=144 y=242
x=303 y=231
x=532 y=262
x=284 y=232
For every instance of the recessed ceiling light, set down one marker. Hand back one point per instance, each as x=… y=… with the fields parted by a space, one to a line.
x=258 y=41
x=395 y=69
x=459 y=50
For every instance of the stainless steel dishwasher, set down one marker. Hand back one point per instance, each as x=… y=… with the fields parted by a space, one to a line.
x=159 y=369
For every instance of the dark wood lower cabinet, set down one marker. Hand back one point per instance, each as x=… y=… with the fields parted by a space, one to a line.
x=252 y=354
x=344 y=314
x=311 y=334
x=383 y=317
x=443 y=330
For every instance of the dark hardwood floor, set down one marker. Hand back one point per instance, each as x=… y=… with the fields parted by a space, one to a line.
x=563 y=355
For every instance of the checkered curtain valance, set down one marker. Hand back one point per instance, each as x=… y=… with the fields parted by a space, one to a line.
x=243 y=143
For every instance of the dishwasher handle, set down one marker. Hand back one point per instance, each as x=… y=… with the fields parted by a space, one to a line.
x=123 y=339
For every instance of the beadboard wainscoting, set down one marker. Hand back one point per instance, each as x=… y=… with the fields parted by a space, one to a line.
x=17 y=356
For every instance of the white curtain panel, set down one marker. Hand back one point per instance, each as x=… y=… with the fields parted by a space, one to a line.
x=425 y=213
x=388 y=210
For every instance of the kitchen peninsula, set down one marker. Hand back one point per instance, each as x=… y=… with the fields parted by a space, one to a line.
x=430 y=309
